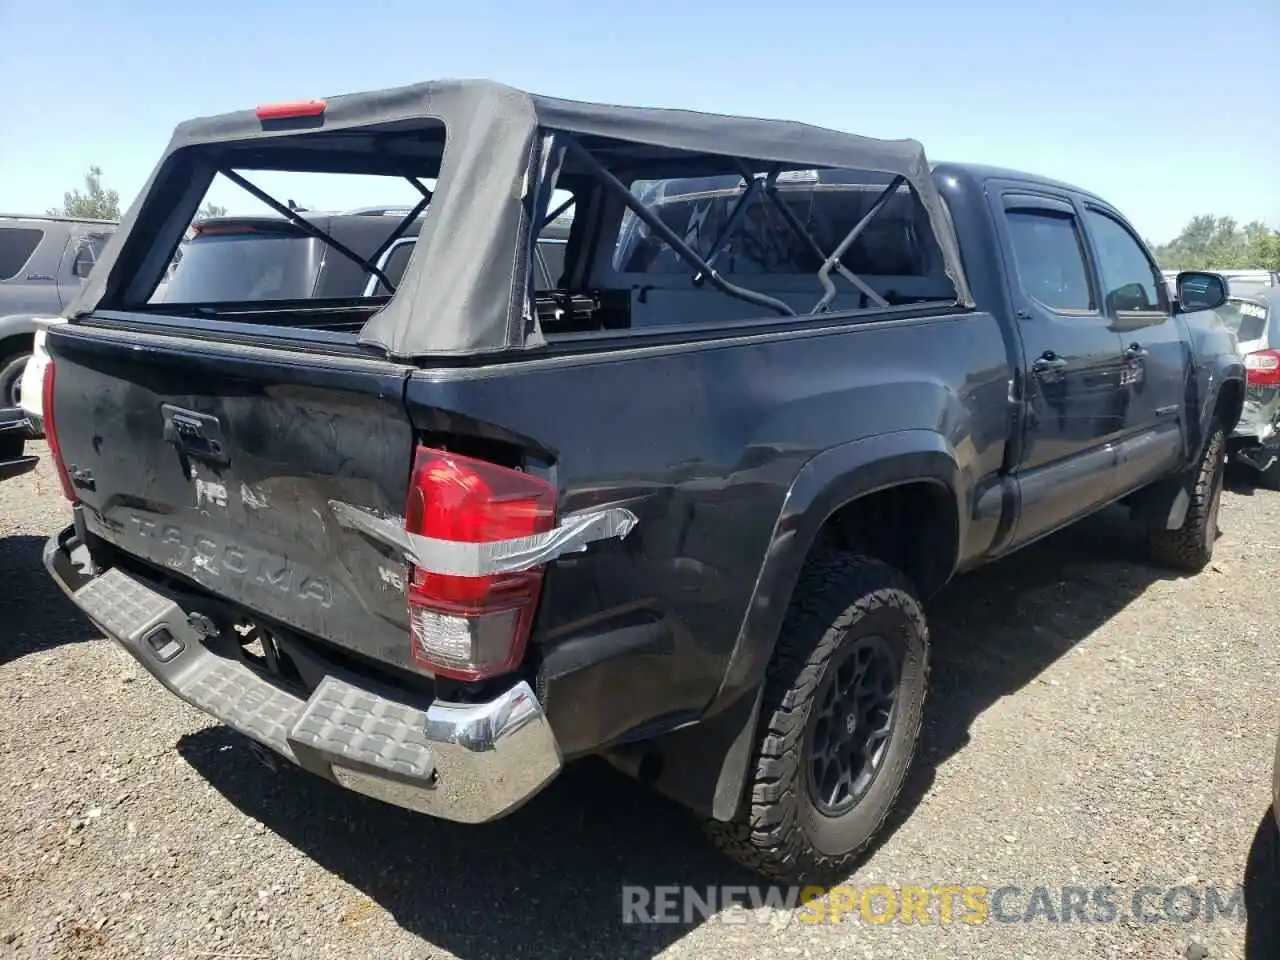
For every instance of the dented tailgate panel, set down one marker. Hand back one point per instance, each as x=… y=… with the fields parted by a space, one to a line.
x=217 y=463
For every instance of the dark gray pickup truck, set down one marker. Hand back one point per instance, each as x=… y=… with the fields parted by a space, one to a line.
x=680 y=506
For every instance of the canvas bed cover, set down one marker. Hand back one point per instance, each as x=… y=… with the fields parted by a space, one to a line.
x=465 y=292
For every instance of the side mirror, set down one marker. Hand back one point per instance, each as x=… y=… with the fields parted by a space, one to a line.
x=1200 y=290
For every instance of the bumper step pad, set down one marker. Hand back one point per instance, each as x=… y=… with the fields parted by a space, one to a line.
x=469 y=763
x=365 y=730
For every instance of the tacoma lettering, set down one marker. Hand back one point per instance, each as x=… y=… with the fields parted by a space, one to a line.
x=200 y=552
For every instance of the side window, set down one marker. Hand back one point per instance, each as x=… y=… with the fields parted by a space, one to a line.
x=17 y=244
x=397 y=260
x=1049 y=258
x=1246 y=319
x=87 y=251
x=1129 y=280
x=897 y=242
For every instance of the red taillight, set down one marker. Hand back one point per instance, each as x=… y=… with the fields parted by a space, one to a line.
x=292 y=110
x=471 y=627
x=51 y=431
x=1262 y=369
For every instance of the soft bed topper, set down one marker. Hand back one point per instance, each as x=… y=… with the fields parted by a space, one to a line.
x=464 y=291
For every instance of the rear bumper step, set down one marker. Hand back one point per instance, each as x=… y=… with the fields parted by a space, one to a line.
x=469 y=763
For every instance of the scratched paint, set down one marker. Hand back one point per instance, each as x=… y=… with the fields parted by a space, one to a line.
x=392 y=578
x=253 y=499
x=211 y=491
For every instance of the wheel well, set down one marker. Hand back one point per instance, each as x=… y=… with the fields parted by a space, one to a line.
x=1230 y=405
x=912 y=527
x=17 y=343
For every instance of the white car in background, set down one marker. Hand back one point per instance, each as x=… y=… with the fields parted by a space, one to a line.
x=1250 y=313
x=32 y=388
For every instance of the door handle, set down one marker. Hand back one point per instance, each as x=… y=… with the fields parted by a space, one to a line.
x=195 y=435
x=1048 y=362
x=1135 y=351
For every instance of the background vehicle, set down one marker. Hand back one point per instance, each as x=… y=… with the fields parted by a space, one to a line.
x=251 y=259
x=1250 y=314
x=13 y=435
x=681 y=510
x=268 y=258
x=43 y=261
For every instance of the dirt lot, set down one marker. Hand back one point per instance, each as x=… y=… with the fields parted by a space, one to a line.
x=1093 y=724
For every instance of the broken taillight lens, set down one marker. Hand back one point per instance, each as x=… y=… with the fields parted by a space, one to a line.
x=472 y=627
x=51 y=430
x=1262 y=369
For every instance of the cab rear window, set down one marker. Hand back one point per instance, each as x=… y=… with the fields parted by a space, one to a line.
x=245 y=267
x=1248 y=320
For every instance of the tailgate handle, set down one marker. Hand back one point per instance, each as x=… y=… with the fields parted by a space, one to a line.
x=196 y=435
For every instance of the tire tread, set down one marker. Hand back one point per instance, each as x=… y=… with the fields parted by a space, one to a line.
x=1188 y=548
x=836 y=589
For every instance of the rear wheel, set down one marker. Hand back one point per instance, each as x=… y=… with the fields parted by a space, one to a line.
x=841 y=716
x=11 y=368
x=1190 y=547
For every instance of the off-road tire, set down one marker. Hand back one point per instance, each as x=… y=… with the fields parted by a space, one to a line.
x=1190 y=547
x=779 y=832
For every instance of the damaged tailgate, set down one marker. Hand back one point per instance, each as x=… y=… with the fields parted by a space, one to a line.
x=216 y=463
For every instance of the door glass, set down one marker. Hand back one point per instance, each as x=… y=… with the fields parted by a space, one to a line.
x=1129 y=281
x=1050 y=259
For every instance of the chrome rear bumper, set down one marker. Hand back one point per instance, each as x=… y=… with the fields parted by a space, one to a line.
x=465 y=762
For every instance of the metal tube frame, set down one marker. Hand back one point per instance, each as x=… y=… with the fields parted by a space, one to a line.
x=691 y=256
x=755 y=185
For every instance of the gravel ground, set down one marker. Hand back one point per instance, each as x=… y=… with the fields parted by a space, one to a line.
x=1117 y=730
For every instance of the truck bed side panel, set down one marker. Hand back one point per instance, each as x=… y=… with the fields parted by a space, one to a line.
x=704 y=441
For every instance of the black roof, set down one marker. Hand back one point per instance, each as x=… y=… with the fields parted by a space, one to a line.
x=979 y=172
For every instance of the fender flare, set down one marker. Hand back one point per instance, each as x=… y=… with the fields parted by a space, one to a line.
x=719 y=746
x=824 y=484
x=1163 y=504
x=1231 y=372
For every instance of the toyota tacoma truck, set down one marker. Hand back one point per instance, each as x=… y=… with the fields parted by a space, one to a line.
x=680 y=507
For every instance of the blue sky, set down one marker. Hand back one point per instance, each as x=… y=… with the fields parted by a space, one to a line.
x=1162 y=107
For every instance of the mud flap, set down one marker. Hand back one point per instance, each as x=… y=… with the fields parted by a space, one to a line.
x=703 y=766
x=1163 y=504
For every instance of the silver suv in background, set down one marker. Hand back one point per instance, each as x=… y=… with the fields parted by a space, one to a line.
x=269 y=258
x=43 y=262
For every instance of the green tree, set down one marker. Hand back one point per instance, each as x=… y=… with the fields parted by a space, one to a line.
x=1220 y=243
x=96 y=203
